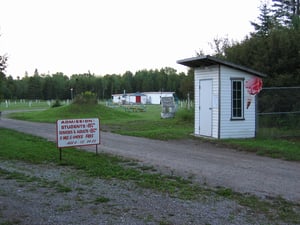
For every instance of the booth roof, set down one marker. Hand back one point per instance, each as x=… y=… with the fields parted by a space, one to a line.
x=203 y=61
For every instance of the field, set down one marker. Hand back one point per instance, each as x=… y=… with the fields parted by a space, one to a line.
x=23 y=105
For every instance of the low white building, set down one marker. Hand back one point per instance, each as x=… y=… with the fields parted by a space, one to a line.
x=225 y=102
x=140 y=97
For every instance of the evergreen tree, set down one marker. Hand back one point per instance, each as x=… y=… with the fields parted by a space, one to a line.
x=3 y=64
x=286 y=11
x=3 y=60
x=35 y=88
x=127 y=82
x=266 y=21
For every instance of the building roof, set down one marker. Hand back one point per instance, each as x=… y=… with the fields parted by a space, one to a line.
x=145 y=93
x=158 y=92
x=137 y=94
x=203 y=61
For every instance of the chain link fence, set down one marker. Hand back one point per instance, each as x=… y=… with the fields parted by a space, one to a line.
x=279 y=112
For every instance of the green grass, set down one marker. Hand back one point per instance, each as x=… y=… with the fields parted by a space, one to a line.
x=24 y=105
x=101 y=199
x=149 y=124
x=142 y=124
x=276 y=148
x=106 y=114
x=38 y=181
x=35 y=150
x=31 y=149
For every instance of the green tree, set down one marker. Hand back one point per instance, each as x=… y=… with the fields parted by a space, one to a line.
x=21 y=88
x=48 y=88
x=286 y=11
x=138 y=80
x=266 y=21
x=278 y=56
x=219 y=45
x=61 y=86
x=162 y=79
x=35 y=87
x=147 y=81
x=9 y=90
x=187 y=85
x=3 y=64
x=128 y=82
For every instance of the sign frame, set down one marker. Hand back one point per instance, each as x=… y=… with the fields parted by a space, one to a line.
x=77 y=132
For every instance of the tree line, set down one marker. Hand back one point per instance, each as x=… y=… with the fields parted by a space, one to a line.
x=273 y=48
x=60 y=86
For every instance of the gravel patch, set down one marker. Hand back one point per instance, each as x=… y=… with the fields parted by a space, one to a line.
x=49 y=194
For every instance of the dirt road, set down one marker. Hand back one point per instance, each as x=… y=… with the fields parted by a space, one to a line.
x=205 y=162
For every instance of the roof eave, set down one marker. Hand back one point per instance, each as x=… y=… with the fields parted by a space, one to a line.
x=204 y=61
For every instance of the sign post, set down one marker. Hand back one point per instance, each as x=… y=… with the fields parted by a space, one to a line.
x=77 y=132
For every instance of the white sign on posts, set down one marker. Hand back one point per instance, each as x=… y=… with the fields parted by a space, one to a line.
x=77 y=132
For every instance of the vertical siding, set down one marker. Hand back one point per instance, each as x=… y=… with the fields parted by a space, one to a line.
x=196 y=97
x=235 y=128
x=211 y=72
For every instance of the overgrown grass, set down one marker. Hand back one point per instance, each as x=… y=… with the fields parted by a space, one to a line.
x=35 y=150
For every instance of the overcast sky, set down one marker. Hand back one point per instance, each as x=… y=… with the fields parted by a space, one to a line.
x=115 y=36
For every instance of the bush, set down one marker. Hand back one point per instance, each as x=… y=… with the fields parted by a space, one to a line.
x=185 y=115
x=56 y=104
x=86 y=98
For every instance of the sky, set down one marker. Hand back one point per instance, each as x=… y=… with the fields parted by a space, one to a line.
x=114 y=36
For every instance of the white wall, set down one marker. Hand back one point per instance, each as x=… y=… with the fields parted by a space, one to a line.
x=235 y=128
x=117 y=98
x=222 y=125
x=149 y=98
x=132 y=99
x=211 y=72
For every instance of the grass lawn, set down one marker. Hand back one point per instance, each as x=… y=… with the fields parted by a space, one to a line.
x=149 y=124
x=23 y=105
x=275 y=148
x=142 y=124
x=35 y=150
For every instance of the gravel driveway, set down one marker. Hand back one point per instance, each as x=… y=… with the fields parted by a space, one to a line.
x=64 y=196
x=205 y=162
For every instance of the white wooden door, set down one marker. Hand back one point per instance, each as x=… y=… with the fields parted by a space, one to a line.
x=205 y=108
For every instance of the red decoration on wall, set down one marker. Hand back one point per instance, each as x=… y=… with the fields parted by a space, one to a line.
x=254 y=86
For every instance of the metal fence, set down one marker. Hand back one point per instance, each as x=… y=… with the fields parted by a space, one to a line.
x=279 y=112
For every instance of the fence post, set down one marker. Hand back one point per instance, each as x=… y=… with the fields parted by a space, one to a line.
x=256 y=117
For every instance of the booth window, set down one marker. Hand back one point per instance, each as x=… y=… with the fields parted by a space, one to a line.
x=237 y=99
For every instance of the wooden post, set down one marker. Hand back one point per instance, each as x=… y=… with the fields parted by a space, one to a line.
x=60 y=154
